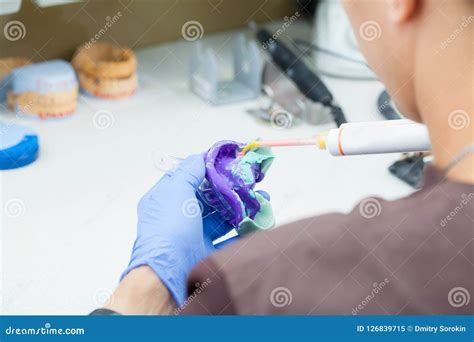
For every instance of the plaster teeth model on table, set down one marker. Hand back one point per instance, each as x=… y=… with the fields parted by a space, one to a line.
x=46 y=90
x=105 y=70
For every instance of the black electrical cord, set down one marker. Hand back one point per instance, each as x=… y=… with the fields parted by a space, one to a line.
x=384 y=105
x=298 y=43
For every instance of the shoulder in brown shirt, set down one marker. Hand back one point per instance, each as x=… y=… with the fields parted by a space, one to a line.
x=412 y=256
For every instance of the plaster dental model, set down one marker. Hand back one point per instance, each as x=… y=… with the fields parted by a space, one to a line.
x=48 y=89
x=106 y=70
x=230 y=182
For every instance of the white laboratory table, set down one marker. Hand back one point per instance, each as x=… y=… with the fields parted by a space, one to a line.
x=65 y=252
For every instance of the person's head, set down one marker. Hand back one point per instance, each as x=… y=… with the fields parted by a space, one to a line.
x=413 y=44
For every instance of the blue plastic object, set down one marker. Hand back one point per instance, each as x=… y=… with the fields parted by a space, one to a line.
x=19 y=146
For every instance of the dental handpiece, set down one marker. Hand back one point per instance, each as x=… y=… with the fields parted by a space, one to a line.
x=310 y=85
x=392 y=136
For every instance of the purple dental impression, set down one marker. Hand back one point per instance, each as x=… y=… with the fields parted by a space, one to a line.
x=230 y=181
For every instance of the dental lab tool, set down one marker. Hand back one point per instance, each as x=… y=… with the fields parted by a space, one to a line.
x=246 y=82
x=394 y=136
x=285 y=97
x=308 y=83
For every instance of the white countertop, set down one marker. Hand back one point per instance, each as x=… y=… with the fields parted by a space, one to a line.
x=66 y=251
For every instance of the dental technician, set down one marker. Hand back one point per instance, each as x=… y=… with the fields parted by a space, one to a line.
x=408 y=260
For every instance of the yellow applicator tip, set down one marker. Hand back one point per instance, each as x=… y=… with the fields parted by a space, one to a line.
x=253 y=144
x=249 y=146
x=321 y=141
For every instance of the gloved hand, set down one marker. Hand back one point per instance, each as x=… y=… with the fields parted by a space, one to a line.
x=172 y=234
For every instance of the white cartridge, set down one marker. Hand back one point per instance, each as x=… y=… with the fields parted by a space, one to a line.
x=393 y=136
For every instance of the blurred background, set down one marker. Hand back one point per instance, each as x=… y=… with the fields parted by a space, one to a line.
x=102 y=97
x=142 y=23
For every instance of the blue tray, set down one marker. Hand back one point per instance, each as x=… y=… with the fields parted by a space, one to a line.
x=19 y=146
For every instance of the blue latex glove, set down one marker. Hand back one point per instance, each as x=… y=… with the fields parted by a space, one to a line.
x=172 y=234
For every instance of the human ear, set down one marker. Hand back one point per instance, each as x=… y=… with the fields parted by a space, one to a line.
x=400 y=11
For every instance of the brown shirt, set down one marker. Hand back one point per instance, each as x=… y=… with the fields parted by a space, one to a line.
x=412 y=256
